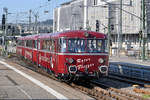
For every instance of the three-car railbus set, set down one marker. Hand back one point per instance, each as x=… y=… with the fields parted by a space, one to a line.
x=67 y=55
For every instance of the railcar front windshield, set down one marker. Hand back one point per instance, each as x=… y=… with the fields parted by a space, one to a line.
x=83 y=45
x=76 y=45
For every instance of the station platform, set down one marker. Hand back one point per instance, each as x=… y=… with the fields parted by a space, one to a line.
x=17 y=82
x=130 y=60
x=130 y=67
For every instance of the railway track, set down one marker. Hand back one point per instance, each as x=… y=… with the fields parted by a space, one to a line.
x=141 y=83
x=117 y=93
x=96 y=90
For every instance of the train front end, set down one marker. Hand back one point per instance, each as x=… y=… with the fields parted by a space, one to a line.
x=83 y=57
x=87 y=66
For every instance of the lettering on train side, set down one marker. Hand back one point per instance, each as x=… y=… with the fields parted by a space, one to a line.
x=83 y=60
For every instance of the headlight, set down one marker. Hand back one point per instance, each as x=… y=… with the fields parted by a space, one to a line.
x=72 y=69
x=70 y=60
x=103 y=69
x=101 y=60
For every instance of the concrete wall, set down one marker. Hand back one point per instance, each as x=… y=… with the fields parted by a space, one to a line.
x=100 y=14
x=131 y=24
x=69 y=16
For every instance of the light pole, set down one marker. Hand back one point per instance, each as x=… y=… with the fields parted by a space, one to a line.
x=5 y=32
x=36 y=15
x=138 y=17
x=86 y=20
x=109 y=31
x=120 y=29
x=17 y=18
x=144 y=31
x=85 y=15
x=36 y=23
x=30 y=12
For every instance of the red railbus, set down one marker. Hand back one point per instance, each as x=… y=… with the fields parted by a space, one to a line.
x=20 y=46
x=27 y=47
x=71 y=54
x=30 y=48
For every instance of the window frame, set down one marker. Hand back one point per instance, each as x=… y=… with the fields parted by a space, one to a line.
x=104 y=46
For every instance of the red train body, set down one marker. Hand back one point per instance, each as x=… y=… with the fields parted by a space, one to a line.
x=67 y=55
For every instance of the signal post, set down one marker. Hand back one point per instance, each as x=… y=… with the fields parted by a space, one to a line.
x=4 y=27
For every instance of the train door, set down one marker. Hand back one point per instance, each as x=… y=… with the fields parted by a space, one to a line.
x=23 y=46
x=36 y=45
x=53 y=64
x=23 y=49
x=38 y=51
x=56 y=56
x=35 y=57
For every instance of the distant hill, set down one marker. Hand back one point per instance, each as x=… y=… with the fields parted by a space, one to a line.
x=47 y=22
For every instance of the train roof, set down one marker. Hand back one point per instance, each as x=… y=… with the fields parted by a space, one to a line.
x=29 y=37
x=66 y=34
x=74 y=34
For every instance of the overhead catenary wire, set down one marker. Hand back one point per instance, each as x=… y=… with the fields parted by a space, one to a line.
x=123 y=10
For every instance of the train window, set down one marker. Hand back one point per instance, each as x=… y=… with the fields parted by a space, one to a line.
x=99 y=45
x=35 y=44
x=39 y=44
x=48 y=45
x=106 y=46
x=91 y=45
x=26 y=43
x=76 y=45
x=62 y=45
x=23 y=42
x=19 y=42
x=95 y=45
x=82 y=45
x=29 y=43
x=45 y=45
x=52 y=45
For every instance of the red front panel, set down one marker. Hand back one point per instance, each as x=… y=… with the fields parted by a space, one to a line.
x=81 y=62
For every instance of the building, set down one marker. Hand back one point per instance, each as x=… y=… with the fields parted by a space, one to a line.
x=131 y=14
x=69 y=16
x=96 y=15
